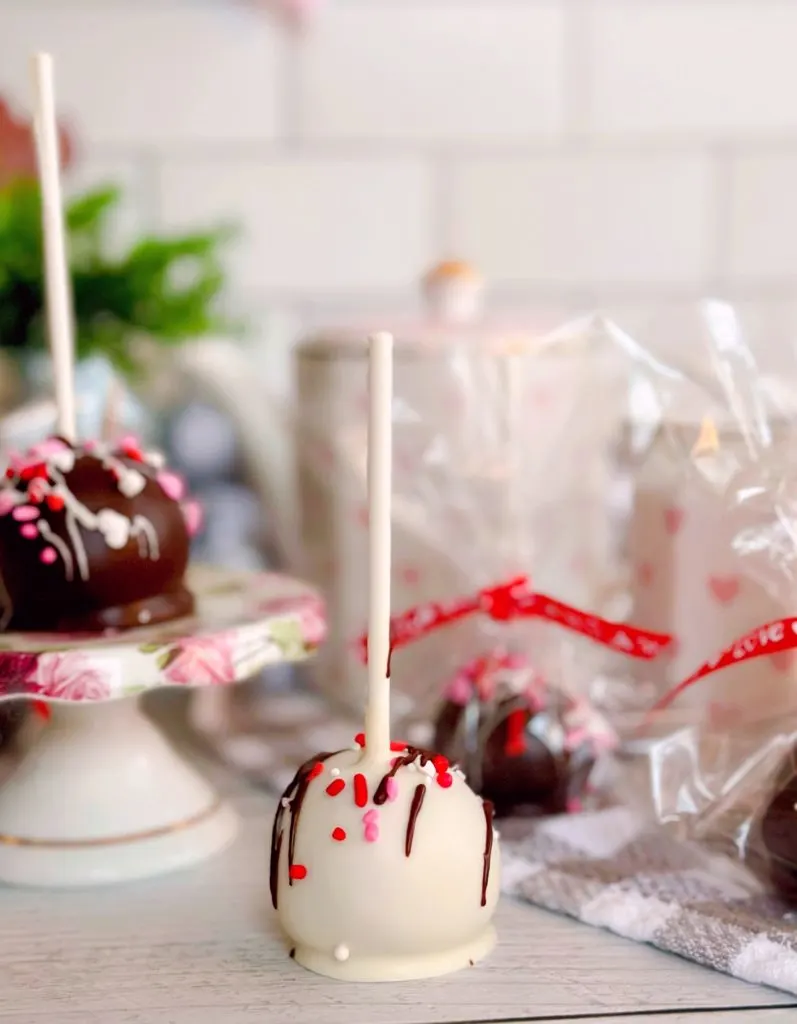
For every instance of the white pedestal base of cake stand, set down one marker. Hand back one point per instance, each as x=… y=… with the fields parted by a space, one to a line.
x=102 y=797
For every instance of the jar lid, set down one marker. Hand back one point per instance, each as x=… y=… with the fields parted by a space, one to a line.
x=453 y=313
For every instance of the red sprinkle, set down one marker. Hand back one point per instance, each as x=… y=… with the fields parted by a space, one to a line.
x=55 y=502
x=397 y=746
x=335 y=787
x=360 y=790
x=10 y=473
x=316 y=770
x=441 y=764
x=338 y=834
x=445 y=779
x=297 y=872
x=32 y=472
x=515 y=741
x=42 y=709
x=132 y=452
x=359 y=739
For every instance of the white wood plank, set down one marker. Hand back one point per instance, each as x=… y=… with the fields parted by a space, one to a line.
x=766 y=1016
x=200 y=948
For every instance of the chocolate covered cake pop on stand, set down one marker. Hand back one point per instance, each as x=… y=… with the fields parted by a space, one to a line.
x=100 y=796
x=93 y=551
x=93 y=536
x=384 y=863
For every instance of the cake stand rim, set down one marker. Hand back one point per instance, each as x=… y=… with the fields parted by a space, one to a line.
x=285 y=623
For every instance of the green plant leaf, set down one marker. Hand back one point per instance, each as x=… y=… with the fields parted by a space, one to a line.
x=165 y=288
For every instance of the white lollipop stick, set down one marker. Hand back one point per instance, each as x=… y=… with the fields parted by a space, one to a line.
x=56 y=272
x=380 y=452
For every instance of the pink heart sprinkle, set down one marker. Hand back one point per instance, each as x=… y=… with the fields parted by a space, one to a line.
x=782 y=660
x=371 y=817
x=25 y=513
x=29 y=531
x=172 y=484
x=460 y=690
x=724 y=588
x=371 y=833
x=192 y=513
x=48 y=556
x=392 y=789
x=673 y=519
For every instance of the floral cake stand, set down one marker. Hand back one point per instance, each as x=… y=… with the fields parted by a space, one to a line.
x=100 y=796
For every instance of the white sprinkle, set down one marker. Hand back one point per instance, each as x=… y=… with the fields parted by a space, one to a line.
x=144 y=616
x=155 y=459
x=131 y=482
x=355 y=746
x=496 y=834
x=285 y=802
x=63 y=460
x=114 y=527
x=341 y=953
x=334 y=771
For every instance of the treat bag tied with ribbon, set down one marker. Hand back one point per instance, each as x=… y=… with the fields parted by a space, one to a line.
x=689 y=575
x=502 y=466
x=506 y=498
x=722 y=735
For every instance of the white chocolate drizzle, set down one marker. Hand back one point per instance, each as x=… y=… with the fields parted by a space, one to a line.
x=116 y=529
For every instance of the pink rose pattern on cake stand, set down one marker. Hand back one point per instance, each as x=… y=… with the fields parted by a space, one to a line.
x=243 y=624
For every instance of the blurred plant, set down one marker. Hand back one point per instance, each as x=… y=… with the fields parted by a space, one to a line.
x=163 y=289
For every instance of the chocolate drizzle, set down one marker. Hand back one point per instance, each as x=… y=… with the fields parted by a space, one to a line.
x=411 y=755
x=415 y=808
x=488 y=848
x=294 y=796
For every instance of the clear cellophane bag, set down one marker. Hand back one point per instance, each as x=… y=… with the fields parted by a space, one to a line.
x=509 y=589
x=714 y=451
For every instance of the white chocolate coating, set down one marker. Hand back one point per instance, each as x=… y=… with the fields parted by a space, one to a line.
x=361 y=908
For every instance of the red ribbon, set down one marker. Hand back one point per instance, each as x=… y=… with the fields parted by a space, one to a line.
x=515 y=599
x=774 y=637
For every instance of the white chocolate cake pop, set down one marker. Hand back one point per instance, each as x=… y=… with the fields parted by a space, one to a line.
x=384 y=863
x=384 y=871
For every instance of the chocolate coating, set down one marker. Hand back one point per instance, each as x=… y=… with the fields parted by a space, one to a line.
x=86 y=556
x=509 y=755
x=778 y=832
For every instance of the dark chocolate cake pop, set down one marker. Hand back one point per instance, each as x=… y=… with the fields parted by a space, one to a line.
x=778 y=831
x=527 y=748
x=93 y=536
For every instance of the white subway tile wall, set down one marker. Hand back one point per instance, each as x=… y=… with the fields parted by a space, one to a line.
x=630 y=153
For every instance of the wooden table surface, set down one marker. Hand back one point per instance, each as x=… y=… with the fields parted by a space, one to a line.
x=200 y=947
